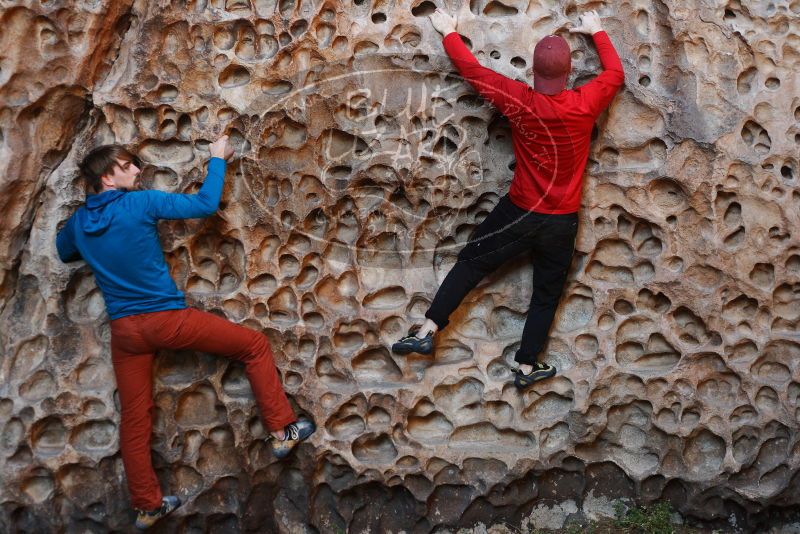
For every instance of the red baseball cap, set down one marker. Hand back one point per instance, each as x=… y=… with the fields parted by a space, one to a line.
x=552 y=64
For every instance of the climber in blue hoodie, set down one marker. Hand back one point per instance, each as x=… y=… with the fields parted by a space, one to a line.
x=116 y=233
x=117 y=222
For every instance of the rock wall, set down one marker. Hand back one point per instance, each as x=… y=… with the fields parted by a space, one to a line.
x=363 y=164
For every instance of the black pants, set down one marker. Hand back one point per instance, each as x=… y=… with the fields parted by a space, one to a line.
x=507 y=232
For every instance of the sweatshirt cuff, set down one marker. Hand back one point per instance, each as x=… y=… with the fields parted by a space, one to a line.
x=450 y=36
x=216 y=164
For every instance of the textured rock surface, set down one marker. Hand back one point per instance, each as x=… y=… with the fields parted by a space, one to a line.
x=363 y=165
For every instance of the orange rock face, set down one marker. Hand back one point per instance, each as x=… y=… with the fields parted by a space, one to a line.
x=363 y=163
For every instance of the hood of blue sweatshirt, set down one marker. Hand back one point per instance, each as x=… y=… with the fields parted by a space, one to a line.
x=97 y=217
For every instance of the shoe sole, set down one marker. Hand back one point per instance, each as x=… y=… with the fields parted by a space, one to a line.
x=405 y=349
x=401 y=350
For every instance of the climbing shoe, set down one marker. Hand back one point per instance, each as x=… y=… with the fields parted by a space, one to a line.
x=293 y=434
x=146 y=519
x=412 y=343
x=540 y=372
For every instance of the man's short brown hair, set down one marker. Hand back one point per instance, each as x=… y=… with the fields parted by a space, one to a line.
x=102 y=160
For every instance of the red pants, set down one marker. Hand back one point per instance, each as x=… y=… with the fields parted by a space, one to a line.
x=134 y=342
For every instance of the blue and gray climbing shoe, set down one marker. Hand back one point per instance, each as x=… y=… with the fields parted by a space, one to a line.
x=146 y=519
x=412 y=343
x=540 y=372
x=293 y=434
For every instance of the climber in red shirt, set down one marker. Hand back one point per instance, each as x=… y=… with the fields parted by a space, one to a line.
x=551 y=130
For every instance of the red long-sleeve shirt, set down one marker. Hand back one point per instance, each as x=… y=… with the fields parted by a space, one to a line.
x=550 y=133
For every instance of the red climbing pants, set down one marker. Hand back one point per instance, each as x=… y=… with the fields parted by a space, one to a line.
x=135 y=339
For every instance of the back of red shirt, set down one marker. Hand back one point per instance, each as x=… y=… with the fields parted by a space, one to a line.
x=550 y=133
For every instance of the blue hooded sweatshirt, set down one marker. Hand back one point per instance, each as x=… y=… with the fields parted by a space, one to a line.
x=115 y=232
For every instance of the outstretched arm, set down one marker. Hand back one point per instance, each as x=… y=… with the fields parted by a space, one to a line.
x=161 y=205
x=599 y=92
x=501 y=91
